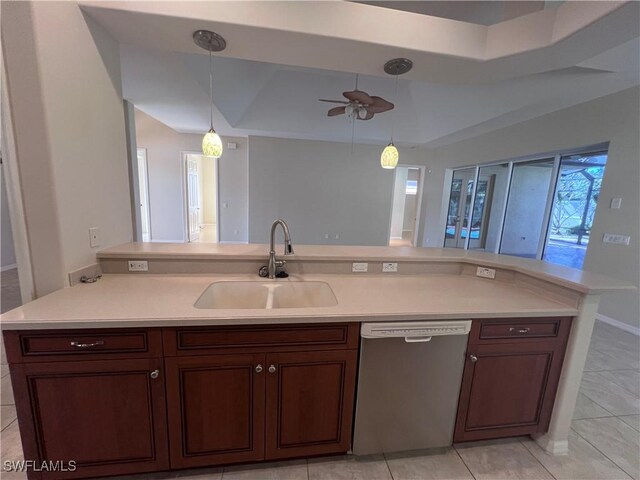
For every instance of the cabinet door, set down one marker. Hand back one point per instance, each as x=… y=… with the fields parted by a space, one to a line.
x=215 y=409
x=107 y=416
x=309 y=403
x=508 y=389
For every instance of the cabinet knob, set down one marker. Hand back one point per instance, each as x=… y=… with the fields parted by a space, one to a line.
x=259 y=368
x=155 y=374
x=473 y=358
x=272 y=368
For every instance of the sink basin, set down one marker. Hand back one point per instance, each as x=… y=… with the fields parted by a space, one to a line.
x=266 y=295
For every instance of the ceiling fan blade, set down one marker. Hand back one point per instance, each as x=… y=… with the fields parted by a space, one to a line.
x=336 y=111
x=332 y=101
x=379 y=105
x=368 y=116
x=358 y=96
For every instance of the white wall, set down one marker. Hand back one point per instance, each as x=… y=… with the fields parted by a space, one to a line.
x=166 y=183
x=7 y=254
x=64 y=89
x=614 y=118
x=321 y=188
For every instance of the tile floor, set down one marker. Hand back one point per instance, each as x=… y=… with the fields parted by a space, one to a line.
x=604 y=443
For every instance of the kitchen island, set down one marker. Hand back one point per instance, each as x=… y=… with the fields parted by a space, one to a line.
x=134 y=348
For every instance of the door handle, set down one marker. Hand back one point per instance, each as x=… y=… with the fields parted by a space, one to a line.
x=473 y=358
x=272 y=369
x=155 y=374
x=97 y=343
x=259 y=368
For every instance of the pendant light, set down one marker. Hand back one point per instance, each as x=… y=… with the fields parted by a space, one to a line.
x=390 y=156
x=212 y=42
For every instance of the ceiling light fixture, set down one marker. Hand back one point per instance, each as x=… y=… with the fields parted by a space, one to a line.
x=212 y=42
x=398 y=66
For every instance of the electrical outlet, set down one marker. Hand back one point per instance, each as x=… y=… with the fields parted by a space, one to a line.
x=389 y=267
x=360 y=267
x=616 y=203
x=138 y=266
x=94 y=237
x=485 y=272
x=617 y=239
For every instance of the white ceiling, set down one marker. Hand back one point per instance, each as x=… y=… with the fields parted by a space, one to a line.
x=444 y=99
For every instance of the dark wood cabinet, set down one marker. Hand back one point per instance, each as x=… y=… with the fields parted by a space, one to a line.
x=215 y=409
x=510 y=378
x=310 y=399
x=107 y=416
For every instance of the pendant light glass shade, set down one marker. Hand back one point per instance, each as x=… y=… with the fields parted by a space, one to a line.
x=212 y=144
x=389 y=156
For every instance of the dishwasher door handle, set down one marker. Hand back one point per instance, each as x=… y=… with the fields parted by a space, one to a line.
x=417 y=339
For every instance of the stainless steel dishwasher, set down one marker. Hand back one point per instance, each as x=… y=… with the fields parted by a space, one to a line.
x=408 y=385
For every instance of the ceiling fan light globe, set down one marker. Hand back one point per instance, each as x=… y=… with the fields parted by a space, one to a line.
x=389 y=157
x=212 y=144
x=362 y=113
x=349 y=110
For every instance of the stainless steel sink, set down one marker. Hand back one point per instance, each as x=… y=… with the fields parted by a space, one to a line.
x=266 y=295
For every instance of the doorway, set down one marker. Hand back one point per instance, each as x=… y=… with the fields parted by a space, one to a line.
x=143 y=187
x=405 y=209
x=201 y=198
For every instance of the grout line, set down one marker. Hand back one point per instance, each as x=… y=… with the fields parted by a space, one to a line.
x=603 y=454
x=463 y=462
x=536 y=458
x=15 y=420
x=307 y=463
x=635 y=394
x=384 y=456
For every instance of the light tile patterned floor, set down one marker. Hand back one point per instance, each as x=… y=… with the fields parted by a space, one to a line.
x=604 y=443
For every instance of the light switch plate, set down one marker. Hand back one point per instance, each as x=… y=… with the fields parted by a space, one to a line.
x=138 y=266
x=94 y=237
x=360 y=267
x=616 y=203
x=616 y=239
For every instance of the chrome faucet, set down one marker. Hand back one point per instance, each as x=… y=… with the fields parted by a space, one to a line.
x=288 y=247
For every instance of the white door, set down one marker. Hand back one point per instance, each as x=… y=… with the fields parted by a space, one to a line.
x=193 y=197
x=143 y=188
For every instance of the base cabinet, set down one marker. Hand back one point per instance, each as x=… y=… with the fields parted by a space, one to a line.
x=107 y=417
x=310 y=397
x=510 y=379
x=215 y=409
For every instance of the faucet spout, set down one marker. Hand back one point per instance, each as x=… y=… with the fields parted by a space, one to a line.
x=288 y=246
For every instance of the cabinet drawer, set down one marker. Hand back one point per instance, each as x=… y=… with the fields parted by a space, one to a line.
x=519 y=329
x=93 y=344
x=196 y=340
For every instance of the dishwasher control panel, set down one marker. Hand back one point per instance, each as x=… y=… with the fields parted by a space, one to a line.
x=415 y=329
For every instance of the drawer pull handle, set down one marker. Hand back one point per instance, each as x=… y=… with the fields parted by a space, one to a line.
x=155 y=374
x=97 y=343
x=473 y=358
x=519 y=330
x=259 y=368
x=272 y=369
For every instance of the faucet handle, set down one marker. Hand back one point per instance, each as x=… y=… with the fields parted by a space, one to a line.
x=264 y=271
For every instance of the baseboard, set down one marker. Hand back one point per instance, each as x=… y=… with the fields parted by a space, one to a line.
x=8 y=267
x=236 y=242
x=554 y=447
x=617 y=323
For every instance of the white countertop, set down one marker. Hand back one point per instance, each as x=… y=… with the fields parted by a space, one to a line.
x=577 y=280
x=167 y=300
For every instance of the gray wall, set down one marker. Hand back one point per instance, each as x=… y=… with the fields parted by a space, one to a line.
x=64 y=91
x=8 y=254
x=613 y=118
x=164 y=147
x=321 y=188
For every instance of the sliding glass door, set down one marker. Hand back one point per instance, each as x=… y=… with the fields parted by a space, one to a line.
x=526 y=208
x=542 y=209
x=574 y=208
x=460 y=197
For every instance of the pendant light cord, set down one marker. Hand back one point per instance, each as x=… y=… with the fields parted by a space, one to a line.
x=393 y=114
x=211 y=84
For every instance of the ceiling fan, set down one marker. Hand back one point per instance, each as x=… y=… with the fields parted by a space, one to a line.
x=359 y=105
